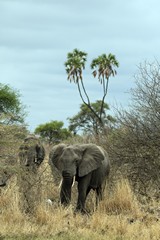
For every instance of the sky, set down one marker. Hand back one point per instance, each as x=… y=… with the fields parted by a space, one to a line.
x=36 y=35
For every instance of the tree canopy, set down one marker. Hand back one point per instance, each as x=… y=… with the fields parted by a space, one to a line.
x=11 y=108
x=87 y=122
x=53 y=131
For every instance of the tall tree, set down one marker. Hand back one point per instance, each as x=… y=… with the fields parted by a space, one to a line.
x=103 y=65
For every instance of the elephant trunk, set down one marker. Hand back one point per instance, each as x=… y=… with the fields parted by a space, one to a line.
x=30 y=158
x=65 y=193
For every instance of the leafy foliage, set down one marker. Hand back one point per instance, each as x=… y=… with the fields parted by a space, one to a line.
x=53 y=131
x=75 y=64
x=11 y=109
x=103 y=65
x=86 y=121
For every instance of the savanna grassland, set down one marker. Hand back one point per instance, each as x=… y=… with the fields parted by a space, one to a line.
x=123 y=214
x=119 y=216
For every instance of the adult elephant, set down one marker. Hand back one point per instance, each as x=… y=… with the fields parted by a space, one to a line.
x=31 y=155
x=88 y=163
x=31 y=152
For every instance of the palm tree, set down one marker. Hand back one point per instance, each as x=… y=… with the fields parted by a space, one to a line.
x=104 y=67
x=75 y=64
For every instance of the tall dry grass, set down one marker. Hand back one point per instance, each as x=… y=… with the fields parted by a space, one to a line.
x=119 y=215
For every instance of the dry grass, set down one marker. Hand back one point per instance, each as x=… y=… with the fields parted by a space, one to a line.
x=122 y=199
x=119 y=216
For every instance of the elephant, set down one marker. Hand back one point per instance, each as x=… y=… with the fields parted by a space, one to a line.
x=31 y=155
x=31 y=152
x=87 y=163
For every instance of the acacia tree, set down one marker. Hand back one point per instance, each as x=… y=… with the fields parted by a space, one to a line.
x=103 y=67
x=86 y=121
x=11 y=108
x=53 y=131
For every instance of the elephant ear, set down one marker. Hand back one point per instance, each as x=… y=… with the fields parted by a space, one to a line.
x=54 y=156
x=40 y=153
x=91 y=160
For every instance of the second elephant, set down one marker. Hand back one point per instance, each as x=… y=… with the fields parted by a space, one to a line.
x=31 y=156
x=31 y=152
x=88 y=163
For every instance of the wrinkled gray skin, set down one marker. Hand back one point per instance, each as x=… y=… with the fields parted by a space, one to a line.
x=31 y=152
x=88 y=163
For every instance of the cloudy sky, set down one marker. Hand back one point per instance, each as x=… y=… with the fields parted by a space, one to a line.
x=36 y=35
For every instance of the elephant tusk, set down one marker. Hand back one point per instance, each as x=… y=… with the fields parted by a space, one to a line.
x=60 y=184
x=100 y=149
x=74 y=179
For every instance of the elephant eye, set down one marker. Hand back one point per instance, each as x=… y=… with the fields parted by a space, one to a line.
x=76 y=160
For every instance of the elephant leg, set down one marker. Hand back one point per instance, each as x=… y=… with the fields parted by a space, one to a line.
x=83 y=190
x=99 y=195
x=88 y=190
x=82 y=194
